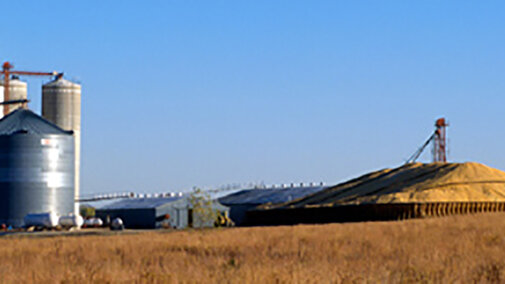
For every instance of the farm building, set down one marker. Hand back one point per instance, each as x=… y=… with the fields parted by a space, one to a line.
x=157 y=212
x=247 y=199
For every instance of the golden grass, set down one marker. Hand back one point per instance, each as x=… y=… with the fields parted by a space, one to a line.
x=451 y=249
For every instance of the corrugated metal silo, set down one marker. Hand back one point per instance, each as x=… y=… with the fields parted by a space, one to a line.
x=61 y=104
x=36 y=167
x=1 y=98
x=17 y=91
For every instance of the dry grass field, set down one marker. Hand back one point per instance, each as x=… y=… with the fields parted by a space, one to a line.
x=450 y=249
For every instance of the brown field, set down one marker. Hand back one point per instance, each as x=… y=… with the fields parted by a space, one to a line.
x=461 y=249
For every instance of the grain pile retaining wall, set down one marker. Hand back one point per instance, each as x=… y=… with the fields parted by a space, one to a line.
x=367 y=212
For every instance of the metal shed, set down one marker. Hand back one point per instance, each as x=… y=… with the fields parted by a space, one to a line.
x=244 y=200
x=151 y=213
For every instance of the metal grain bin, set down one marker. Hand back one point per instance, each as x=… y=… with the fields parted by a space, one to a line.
x=36 y=167
x=61 y=105
x=17 y=91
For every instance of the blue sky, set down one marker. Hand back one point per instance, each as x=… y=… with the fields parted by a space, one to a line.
x=202 y=93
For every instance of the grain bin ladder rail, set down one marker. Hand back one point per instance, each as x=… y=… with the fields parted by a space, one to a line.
x=439 y=143
x=7 y=71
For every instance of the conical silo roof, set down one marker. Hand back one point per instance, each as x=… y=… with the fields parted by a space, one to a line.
x=14 y=82
x=61 y=82
x=26 y=121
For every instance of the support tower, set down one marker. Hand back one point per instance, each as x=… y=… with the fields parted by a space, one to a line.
x=440 y=141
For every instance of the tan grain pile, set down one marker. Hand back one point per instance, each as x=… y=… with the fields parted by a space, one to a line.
x=417 y=182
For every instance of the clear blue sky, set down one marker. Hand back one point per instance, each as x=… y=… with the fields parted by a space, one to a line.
x=185 y=93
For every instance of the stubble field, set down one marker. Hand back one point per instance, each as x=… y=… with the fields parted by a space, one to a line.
x=451 y=249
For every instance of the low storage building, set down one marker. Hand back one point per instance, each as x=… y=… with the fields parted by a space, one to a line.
x=243 y=201
x=157 y=212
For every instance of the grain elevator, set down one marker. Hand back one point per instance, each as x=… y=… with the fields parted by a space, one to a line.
x=61 y=104
x=39 y=155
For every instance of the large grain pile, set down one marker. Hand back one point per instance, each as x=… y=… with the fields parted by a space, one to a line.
x=415 y=183
x=411 y=191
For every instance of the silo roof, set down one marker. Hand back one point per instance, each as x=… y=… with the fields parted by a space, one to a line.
x=26 y=121
x=268 y=195
x=14 y=83
x=140 y=203
x=60 y=82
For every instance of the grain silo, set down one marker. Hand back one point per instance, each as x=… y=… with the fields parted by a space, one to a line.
x=36 y=167
x=1 y=98
x=61 y=105
x=17 y=92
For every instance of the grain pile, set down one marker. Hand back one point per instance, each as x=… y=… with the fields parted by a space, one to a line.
x=435 y=182
x=411 y=191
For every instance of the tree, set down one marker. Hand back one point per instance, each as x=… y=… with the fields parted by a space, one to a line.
x=86 y=211
x=203 y=214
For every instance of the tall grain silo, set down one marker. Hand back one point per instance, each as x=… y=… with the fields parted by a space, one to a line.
x=61 y=104
x=36 y=167
x=17 y=91
x=1 y=98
